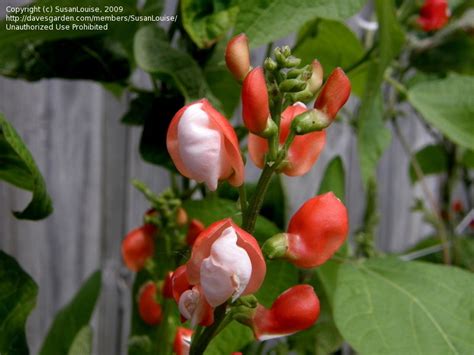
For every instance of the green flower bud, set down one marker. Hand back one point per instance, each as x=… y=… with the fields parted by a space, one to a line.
x=310 y=121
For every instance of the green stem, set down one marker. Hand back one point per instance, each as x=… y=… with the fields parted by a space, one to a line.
x=256 y=202
x=396 y=84
x=243 y=198
x=201 y=340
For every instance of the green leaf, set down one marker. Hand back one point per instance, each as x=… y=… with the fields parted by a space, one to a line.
x=71 y=319
x=330 y=42
x=18 y=168
x=91 y=58
x=222 y=84
x=234 y=337
x=323 y=337
x=155 y=55
x=386 y=306
x=82 y=344
x=447 y=104
x=334 y=179
x=433 y=159
x=267 y=20
x=467 y=159
x=18 y=294
x=372 y=136
x=208 y=20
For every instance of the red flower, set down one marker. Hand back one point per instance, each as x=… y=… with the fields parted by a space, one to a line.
x=434 y=14
x=303 y=152
x=194 y=229
x=255 y=107
x=204 y=146
x=182 y=341
x=138 y=246
x=148 y=306
x=237 y=56
x=335 y=93
x=294 y=310
x=226 y=262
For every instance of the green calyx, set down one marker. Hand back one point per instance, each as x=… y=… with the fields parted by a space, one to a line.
x=310 y=121
x=276 y=247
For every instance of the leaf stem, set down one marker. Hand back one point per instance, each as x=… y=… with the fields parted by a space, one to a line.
x=202 y=339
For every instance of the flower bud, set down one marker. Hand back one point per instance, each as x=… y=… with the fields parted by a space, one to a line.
x=434 y=14
x=237 y=56
x=294 y=310
x=204 y=146
x=148 y=306
x=303 y=152
x=181 y=217
x=270 y=64
x=138 y=246
x=227 y=262
x=316 y=231
x=179 y=282
x=194 y=229
x=316 y=80
x=255 y=106
x=182 y=341
x=292 y=85
x=335 y=93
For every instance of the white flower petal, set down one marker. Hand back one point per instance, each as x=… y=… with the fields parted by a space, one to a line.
x=227 y=271
x=188 y=303
x=201 y=147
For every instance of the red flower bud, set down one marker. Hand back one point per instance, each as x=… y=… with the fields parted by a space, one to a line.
x=255 y=107
x=179 y=282
x=316 y=231
x=148 y=306
x=237 y=56
x=335 y=93
x=167 y=289
x=138 y=246
x=194 y=229
x=204 y=146
x=182 y=341
x=434 y=14
x=294 y=310
x=303 y=152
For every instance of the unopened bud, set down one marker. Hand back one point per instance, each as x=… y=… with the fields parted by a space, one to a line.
x=286 y=51
x=310 y=121
x=237 y=56
x=181 y=217
x=335 y=93
x=292 y=61
x=276 y=247
x=270 y=64
x=292 y=85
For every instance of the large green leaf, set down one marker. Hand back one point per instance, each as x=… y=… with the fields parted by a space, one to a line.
x=18 y=294
x=267 y=20
x=387 y=306
x=372 y=136
x=207 y=20
x=18 y=167
x=92 y=58
x=71 y=319
x=155 y=55
x=82 y=344
x=330 y=42
x=233 y=338
x=334 y=179
x=448 y=104
x=433 y=159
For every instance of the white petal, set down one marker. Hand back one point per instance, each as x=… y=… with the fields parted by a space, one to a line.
x=201 y=147
x=188 y=303
x=227 y=271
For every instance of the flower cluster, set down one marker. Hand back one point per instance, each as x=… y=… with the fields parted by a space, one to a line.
x=227 y=265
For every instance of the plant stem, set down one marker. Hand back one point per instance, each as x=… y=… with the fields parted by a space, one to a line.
x=202 y=340
x=243 y=198
x=250 y=217
x=419 y=173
